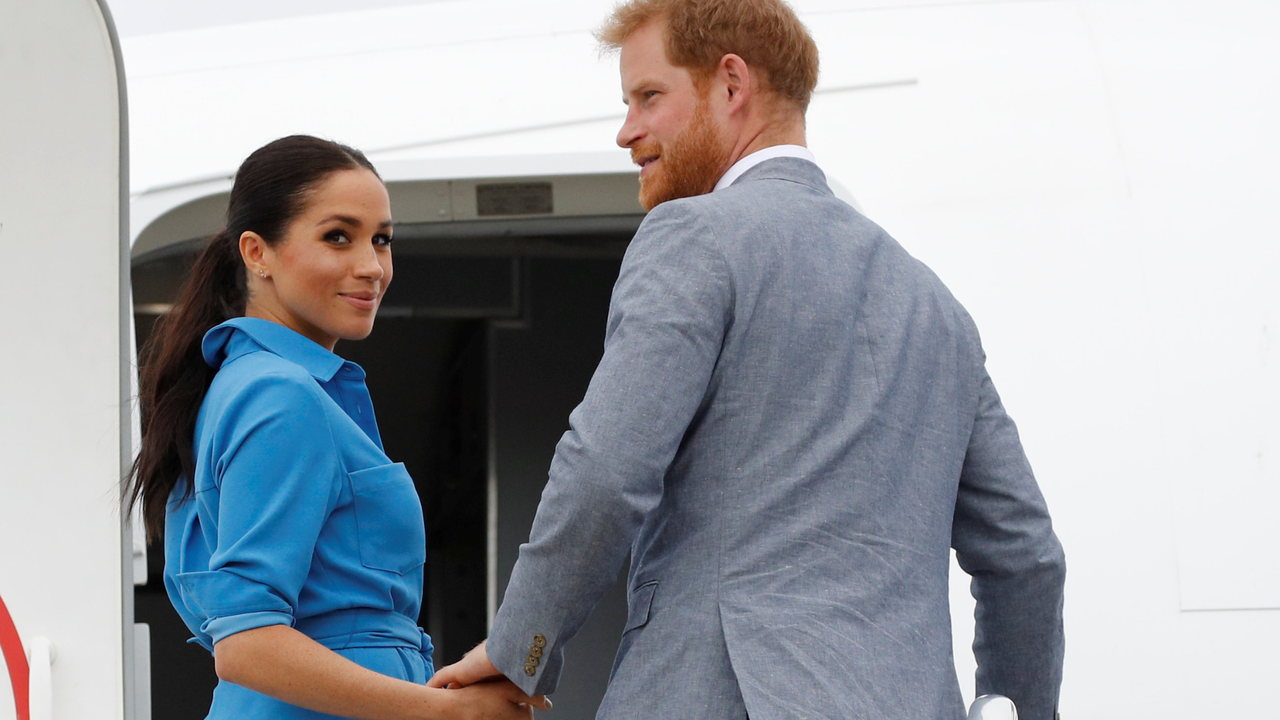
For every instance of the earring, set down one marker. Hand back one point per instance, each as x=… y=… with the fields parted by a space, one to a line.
x=262 y=274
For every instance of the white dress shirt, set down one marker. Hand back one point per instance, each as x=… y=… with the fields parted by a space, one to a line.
x=759 y=156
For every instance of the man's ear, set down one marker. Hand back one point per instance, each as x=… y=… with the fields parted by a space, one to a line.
x=736 y=78
x=253 y=250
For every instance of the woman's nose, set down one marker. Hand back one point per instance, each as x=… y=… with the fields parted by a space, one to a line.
x=368 y=264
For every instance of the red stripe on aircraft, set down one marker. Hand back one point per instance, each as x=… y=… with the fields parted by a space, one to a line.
x=16 y=659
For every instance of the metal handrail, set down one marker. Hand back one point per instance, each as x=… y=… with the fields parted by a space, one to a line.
x=986 y=707
x=43 y=653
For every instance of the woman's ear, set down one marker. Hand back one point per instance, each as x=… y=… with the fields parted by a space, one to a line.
x=253 y=250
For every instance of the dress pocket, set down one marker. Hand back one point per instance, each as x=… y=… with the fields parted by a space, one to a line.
x=638 y=606
x=388 y=519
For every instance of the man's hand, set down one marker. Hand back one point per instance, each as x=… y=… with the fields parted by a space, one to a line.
x=486 y=691
x=496 y=700
x=474 y=667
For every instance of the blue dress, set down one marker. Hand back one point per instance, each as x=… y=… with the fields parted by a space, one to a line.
x=298 y=516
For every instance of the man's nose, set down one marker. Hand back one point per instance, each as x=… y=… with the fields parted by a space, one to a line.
x=630 y=132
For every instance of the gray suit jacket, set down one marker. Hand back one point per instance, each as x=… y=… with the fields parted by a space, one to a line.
x=789 y=429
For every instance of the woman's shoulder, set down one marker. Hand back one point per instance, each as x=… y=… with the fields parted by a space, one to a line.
x=263 y=396
x=264 y=370
x=267 y=383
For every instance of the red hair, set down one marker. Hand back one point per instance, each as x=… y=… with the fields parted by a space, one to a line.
x=766 y=34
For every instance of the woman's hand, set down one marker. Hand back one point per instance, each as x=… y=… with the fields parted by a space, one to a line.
x=474 y=674
x=282 y=663
x=495 y=700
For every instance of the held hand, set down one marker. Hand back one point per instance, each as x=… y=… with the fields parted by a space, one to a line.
x=497 y=700
x=474 y=667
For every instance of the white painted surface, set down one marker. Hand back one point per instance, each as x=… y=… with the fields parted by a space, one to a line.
x=145 y=17
x=61 y=570
x=1094 y=180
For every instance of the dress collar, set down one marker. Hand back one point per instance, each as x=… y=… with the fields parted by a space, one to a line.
x=759 y=156
x=275 y=338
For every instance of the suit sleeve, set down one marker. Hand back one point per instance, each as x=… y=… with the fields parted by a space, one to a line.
x=1004 y=539
x=667 y=320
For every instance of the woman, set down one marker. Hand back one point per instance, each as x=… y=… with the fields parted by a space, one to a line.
x=294 y=547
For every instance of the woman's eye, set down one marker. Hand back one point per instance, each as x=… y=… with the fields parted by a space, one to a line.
x=336 y=236
x=382 y=240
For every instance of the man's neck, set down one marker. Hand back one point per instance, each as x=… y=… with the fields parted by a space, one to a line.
x=789 y=133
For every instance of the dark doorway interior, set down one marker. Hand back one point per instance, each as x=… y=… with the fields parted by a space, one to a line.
x=480 y=353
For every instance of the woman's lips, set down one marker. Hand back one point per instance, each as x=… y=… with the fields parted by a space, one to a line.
x=361 y=300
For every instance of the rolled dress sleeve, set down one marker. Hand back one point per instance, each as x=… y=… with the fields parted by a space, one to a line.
x=276 y=478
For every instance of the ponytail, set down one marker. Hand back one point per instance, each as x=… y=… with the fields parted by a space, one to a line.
x=174 y=376
x=270 y=190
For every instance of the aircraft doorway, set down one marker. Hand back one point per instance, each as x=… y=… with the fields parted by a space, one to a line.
x=486 y=341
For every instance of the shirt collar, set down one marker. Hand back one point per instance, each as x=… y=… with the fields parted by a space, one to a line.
x=759 y=156
x=275 y=338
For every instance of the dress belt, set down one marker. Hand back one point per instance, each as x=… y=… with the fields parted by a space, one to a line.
x=364 y=628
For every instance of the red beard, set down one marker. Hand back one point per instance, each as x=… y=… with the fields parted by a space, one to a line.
x=690 y=166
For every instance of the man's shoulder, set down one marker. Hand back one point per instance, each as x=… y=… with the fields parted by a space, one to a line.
x=698 y=216
x=765 y=203
x=747 y=201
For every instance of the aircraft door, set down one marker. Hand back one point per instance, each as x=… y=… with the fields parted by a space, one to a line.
x=66 y=618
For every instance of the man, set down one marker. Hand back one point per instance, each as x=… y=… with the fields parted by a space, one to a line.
x=790 y=427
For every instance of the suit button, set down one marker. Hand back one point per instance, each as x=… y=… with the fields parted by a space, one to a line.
x=539 y=641
x=535 y=651
x=530 y=670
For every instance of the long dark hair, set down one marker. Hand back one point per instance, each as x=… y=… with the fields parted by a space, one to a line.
x=270 y=190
